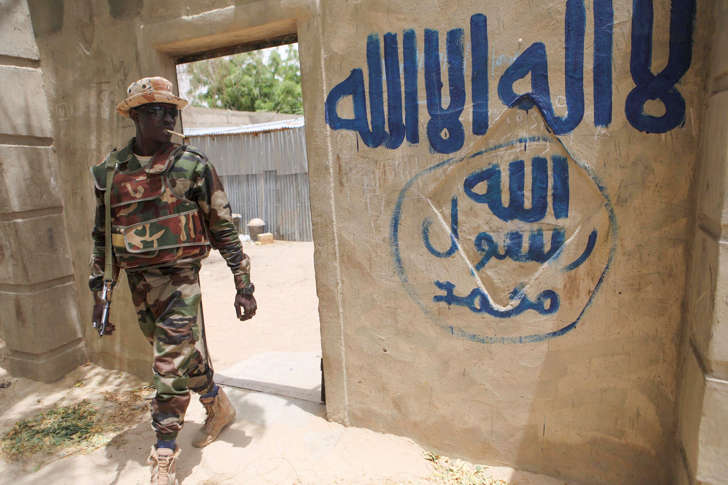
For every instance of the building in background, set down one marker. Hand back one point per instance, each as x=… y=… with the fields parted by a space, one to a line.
x=265 y=172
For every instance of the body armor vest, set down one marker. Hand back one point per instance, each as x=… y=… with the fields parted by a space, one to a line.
x=150 y=225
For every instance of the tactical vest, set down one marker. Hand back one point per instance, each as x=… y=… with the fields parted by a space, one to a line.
x=150 y=225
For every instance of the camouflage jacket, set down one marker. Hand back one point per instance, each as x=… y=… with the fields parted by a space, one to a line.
x=165 y=213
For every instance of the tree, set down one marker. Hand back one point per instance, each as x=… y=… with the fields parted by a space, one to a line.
x=249 y=82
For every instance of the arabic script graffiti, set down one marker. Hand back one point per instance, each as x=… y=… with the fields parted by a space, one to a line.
x=445 y=130
x=509 y=243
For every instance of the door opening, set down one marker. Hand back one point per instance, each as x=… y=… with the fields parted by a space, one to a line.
x=246 y=115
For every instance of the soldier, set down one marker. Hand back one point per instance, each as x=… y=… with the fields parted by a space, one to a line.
x=167 y=207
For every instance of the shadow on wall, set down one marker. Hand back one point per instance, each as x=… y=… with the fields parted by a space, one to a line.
x=47 y=17
x=623 y=447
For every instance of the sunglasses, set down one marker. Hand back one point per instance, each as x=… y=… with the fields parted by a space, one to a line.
x=158 y=111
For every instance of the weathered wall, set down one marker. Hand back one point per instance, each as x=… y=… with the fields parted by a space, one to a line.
x=533 y=323
x=197 y=117
x=90 y=55
x=39 y=317
x=703 y=404
x=473 y=335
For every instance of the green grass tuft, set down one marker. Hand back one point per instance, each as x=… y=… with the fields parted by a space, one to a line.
x=50 y=431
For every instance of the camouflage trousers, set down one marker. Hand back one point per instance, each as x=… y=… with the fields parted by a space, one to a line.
x=168 y=306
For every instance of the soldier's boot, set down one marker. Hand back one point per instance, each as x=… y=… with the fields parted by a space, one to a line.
x=164 y=468
x=220 y=413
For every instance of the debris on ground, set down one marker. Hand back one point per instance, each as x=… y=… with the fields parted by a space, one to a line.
x=56 y=428
x=448 y=471
x=78 y=428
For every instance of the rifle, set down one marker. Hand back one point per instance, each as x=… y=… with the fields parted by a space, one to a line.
x=108 y=256
x=106 y=297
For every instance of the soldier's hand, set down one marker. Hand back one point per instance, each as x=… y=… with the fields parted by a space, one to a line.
x=98 y=311
x=245 y=306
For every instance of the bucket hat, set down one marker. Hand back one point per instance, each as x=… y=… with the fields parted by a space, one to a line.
x=147 y=90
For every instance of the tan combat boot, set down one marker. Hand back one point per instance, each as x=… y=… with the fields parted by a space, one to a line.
x=164 y=469
x=220 y=413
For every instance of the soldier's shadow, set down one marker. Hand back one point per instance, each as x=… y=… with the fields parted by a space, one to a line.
x=134 y=444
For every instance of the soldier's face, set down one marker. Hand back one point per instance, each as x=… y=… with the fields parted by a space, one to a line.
x=154 y=119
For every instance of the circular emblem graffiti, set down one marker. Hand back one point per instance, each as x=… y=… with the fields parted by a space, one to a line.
x=508 y=244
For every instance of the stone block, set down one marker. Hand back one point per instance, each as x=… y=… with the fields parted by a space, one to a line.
x=43 y=320
x=24 y=103
x=717 y=355
x=711 y=183
x=692 y=390
x=16 y=31
x=47 y=367
x=712 y=464
x=707 y=302
x=29 y=177
x=34 y=250
x=265 y=238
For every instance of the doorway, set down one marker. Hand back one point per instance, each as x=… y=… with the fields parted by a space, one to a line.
x=246 y=115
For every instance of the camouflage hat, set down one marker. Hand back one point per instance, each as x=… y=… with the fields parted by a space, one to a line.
x=149 y=90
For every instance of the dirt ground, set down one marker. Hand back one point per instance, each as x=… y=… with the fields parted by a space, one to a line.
x=275 y=440
x=287 y=318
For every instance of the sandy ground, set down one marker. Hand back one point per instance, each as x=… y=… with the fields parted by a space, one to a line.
x=287 y=318
x=275 y=440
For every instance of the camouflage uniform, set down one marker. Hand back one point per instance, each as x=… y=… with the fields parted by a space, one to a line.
x=165 y=215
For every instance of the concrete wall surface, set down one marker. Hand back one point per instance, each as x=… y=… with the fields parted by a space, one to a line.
x=198 y=117
x=500 y=277
x=524 y=287
x=38 y=303
x=703 y=405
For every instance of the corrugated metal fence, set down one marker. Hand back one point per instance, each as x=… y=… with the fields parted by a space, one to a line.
x=265 y=173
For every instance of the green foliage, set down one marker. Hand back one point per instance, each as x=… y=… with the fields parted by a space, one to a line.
x=248 y=82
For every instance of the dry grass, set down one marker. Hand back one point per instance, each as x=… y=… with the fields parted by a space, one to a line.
x=77 y=428
x=457 y=472
x=49 y=431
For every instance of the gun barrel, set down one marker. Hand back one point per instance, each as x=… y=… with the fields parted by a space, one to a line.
x=104 y=318
x=106 y=297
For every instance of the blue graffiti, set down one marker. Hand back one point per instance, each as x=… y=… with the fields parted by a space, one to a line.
x=445 y=130
x=534 y=61
x=478 y=301
x=602 y=66
x=513 y=247
x=660 y=86
x=584 y=255
x=515 y=208
x=427 y=223
x=516 y=180
x=479 y=78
